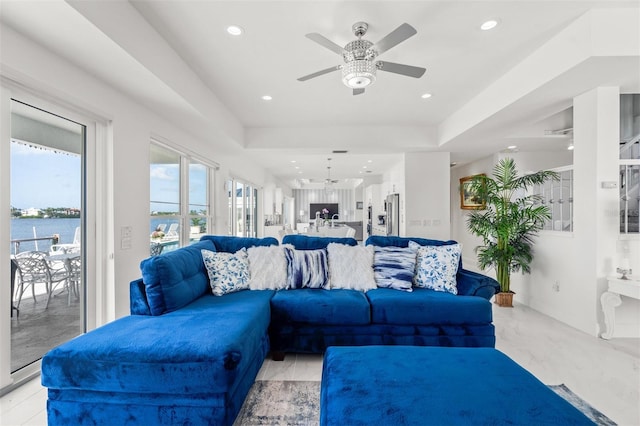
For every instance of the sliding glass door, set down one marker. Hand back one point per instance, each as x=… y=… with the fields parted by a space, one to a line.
x=47 y=183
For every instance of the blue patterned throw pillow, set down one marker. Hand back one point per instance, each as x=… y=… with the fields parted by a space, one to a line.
x=228 y=272
x=394 y=267
x=306 y=268
x=437 y=266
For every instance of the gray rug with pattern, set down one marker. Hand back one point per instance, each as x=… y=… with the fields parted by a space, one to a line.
x=295 y=403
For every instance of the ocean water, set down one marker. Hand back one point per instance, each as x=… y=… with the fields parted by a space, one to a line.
x=65 y=228
x=23 y=228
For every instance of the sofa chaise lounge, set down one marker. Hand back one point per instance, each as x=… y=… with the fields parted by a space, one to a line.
x=186 y=356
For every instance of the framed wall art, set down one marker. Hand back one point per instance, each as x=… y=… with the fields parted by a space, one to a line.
x=469 y=199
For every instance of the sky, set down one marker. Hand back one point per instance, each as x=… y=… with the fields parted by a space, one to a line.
x=42 y=178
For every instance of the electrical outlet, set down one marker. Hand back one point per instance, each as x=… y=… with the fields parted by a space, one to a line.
x=556 y=286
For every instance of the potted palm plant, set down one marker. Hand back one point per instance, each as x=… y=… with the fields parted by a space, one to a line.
x=508 y=224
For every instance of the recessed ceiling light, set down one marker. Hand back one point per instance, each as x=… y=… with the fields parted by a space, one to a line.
x=297 y=167
x=488 y=25
x=369 y=161
x=364 y=167
x=234 y=30
x=299 y=173
x=570 y=146
x=266 y=98
x=293 y=161
x=426 y=96
x=512 y=147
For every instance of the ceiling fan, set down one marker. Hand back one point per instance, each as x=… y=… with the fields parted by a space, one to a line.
x=360 y=65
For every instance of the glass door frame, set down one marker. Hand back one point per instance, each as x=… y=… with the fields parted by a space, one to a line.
x=98 y=301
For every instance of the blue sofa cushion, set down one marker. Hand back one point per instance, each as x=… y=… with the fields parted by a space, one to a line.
x=320 y=307
x=424 y=307
x=202 y=348
x=230 y=244
x=176 y=278
x=303 y=242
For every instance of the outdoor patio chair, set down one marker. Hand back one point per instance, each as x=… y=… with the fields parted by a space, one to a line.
x=74 y=266
x=173 y=230
x=155 y=249
x=33 y=269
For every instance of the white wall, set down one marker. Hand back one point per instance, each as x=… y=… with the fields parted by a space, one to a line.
x=133 y=126
x=569 y=270
x=459 y=217
x=427 y=195
x=580 y=263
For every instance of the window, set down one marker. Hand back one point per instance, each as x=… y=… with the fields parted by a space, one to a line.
x=629 y=196
x=629 y=163
x=243 y=209
x=180 y=194
x=558 y=195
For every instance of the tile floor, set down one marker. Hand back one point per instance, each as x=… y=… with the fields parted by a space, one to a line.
x=604 y=373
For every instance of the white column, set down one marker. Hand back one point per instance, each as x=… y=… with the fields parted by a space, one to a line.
x=596 y=123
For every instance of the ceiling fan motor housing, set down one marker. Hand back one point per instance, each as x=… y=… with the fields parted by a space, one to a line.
x=360 y=69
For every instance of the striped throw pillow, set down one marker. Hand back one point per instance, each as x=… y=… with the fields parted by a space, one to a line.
x=394 y=267
x=306 y=268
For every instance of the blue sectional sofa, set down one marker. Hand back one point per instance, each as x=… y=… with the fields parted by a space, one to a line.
x=185 y=356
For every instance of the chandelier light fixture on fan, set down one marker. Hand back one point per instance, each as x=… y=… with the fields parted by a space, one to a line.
x=328 y=182
x=360 y=65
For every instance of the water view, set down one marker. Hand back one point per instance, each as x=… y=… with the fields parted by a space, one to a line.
x=25 y=228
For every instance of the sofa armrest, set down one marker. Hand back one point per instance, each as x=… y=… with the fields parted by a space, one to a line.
x=471 y=283
x=138 y=303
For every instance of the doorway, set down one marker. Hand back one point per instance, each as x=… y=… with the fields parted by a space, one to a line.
x=47 y=185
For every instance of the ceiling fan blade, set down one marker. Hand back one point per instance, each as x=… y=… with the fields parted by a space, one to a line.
x=323 y=41
x=319 y=73
x=358 y=92
x=395 y=37
x=403 y=69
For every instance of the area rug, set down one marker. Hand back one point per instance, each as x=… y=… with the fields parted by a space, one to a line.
x=582 y=405
x=294 y=403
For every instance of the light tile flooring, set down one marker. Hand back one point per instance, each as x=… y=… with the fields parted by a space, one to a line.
x=604 y=373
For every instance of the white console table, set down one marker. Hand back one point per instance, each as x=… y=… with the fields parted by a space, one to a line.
x=610 y=300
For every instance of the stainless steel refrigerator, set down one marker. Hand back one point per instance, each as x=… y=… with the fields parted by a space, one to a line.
x=392 y=208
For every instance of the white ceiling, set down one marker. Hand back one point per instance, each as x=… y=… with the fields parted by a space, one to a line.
x=176 y=57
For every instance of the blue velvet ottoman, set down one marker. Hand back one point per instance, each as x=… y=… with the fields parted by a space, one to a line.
x=403 y=385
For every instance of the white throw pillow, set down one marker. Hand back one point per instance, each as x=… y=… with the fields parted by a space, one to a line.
x=228 y=272
x=437 y=266
x=351 y=267
x=267 y=268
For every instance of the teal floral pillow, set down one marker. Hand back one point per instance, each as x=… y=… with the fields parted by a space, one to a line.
x=436 y=267
x=228 y=272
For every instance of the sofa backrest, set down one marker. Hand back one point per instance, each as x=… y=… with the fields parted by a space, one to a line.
x=176 y=278
x=231 y=244
x=384 y=241
x=304 y=242
x=392 y=241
